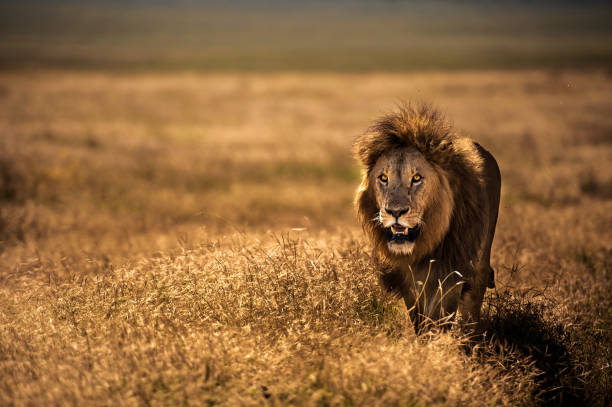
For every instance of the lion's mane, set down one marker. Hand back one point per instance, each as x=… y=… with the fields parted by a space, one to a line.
x=455 y=158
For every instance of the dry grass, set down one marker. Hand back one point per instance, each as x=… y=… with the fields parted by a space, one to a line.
x=148 y=253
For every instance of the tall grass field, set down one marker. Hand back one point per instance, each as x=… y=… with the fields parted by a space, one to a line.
x=173 y=238
x=176 y=202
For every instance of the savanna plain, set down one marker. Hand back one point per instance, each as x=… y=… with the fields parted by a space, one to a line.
x=174 y=238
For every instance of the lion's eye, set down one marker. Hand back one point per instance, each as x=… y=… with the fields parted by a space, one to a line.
x=416 y=178
x=383 y=178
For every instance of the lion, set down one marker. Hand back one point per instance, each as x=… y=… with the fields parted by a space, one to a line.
x=428 y=202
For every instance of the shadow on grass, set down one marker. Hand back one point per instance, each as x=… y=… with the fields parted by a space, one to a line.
x=521 y=326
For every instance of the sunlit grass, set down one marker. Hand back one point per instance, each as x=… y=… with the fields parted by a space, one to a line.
x=190 y=238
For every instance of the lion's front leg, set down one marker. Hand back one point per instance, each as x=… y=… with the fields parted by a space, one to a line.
x=432 y=307
x=471 y=302
x=473 y=293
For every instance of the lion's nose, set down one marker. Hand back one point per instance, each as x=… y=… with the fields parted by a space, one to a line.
x=396 y=213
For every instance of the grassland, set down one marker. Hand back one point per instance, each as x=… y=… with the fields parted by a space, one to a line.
x=188 y=238
x=280 y=35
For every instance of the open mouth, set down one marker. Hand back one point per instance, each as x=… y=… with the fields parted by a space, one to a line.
x=401 y=234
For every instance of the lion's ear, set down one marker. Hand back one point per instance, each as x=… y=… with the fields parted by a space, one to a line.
x=369 y=146
x=362 y=149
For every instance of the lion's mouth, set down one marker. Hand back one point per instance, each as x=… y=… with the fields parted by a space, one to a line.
x=401 y=234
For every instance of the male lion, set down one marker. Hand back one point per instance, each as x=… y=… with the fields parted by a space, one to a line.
x=428 y=202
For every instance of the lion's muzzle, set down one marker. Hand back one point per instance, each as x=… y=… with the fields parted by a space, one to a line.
x=401 y=234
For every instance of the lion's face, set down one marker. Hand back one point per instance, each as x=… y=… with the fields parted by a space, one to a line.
x=405 y=186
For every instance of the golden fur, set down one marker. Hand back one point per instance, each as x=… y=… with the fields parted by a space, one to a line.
x=455 y=209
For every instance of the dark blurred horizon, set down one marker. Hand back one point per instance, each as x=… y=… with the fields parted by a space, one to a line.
x=295 y=35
